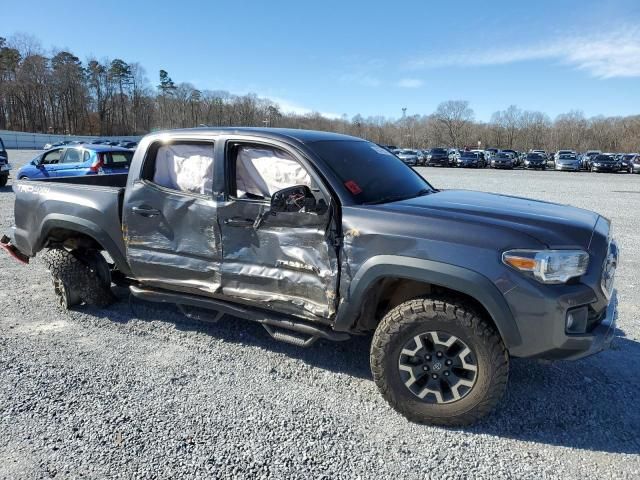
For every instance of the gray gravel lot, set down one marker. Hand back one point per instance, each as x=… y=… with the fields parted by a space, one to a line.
x=139 y=391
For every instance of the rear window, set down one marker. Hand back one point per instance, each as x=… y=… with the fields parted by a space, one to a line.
x=117 y=159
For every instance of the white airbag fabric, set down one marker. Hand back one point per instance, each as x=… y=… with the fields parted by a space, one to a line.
x=187 y=168
x=264 y=171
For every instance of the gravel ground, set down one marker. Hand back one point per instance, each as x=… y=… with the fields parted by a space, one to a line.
x=139 y=391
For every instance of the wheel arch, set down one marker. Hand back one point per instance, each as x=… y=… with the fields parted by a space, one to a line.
x=429 y=274
x=60 y=227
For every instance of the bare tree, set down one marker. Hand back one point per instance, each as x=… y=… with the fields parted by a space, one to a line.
x=455 y=116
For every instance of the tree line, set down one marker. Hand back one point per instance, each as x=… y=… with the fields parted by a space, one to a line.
x=58 y=93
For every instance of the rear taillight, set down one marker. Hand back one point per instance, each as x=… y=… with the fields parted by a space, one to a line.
x=98 y=164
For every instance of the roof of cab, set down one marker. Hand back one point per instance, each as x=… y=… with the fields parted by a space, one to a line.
x=303 y=136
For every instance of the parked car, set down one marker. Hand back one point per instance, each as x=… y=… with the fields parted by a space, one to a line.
x=556 y=156
x=635 y=164
x=568 y=161
x=454 y=154
x=535 y=161
x=587 y=158
x=70 y=161
x=491 y=152
x=502 y=160
x=450 y=283
x=422 y=156
x=5 y=166
x=438 y=157
x=408 y=156
x=468 y=159
x=626 y=162
x=604 y=163
x=482 y=158
x=48 y=146
x=128 y=144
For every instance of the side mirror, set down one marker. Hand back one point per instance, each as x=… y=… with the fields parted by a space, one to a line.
x=293 y=199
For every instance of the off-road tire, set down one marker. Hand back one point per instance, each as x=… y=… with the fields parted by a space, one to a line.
x=79 y=276
x=456 y=318
x=3 y=180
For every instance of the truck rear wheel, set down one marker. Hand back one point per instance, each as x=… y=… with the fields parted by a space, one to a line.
x=3 y=180
x=436 y=361
x=79 y=276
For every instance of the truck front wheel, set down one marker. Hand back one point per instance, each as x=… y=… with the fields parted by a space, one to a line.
x=79 y=276
x=437 y=361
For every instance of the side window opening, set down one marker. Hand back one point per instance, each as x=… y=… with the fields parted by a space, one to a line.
x=52 y=158
x=72 y=156
x=182 y=166
x=260 y=171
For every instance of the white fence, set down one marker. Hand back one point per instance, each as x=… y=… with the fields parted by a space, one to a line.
x=36 y=141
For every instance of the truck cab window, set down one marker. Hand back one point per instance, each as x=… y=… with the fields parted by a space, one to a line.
x=185 y=167
x=261 y=171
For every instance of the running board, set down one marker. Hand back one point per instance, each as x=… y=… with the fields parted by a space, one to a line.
x=272 y=323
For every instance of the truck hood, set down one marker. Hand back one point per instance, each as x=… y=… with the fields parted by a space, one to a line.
x=551 y=224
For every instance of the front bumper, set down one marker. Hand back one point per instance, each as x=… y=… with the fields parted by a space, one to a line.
x=604 y=168
x=600 y=337
x=568 y=167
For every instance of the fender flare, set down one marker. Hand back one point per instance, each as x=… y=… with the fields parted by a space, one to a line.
x=86 y=227
x=445 y=275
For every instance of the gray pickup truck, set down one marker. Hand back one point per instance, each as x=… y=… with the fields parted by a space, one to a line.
x=319 y=235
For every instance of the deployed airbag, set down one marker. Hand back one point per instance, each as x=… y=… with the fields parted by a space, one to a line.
x=263 y=171
x=185 y=167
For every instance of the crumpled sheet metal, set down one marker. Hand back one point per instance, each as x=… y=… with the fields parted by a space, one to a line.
x=288 y=268
x=181 y=246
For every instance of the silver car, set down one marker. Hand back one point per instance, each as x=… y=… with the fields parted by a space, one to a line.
x=568 y=161
x=408 y=156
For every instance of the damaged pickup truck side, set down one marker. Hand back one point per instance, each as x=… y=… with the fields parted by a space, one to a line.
x=319 y=235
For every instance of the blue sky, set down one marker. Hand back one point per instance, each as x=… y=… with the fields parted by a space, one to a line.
x=367 y=57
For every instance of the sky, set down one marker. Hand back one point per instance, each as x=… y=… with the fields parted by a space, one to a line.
x=365 y=57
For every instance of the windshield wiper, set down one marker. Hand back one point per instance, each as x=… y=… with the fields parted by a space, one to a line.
x=397 y=198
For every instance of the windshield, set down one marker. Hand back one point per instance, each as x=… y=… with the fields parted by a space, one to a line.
x=370 y=173
x=439 y=151
x=409 y=152
x=503 y=155
x=468 y=155
x=533 y=156
x=603 y=158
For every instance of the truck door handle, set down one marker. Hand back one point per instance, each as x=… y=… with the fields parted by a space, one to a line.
x=146 y=211
x=238 y=222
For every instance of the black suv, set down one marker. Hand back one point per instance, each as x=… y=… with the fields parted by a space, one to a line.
x=4 y=165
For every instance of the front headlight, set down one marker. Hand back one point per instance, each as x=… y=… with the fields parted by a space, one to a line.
x=548 y=266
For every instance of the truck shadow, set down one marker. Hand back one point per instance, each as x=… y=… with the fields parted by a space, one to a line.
x=590 y=404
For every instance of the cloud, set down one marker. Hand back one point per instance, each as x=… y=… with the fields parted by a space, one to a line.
x=362 y=79
x=410 y=83
x=287 y=106
x=604 y=55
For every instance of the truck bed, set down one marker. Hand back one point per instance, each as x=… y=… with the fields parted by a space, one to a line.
x=91 y=205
